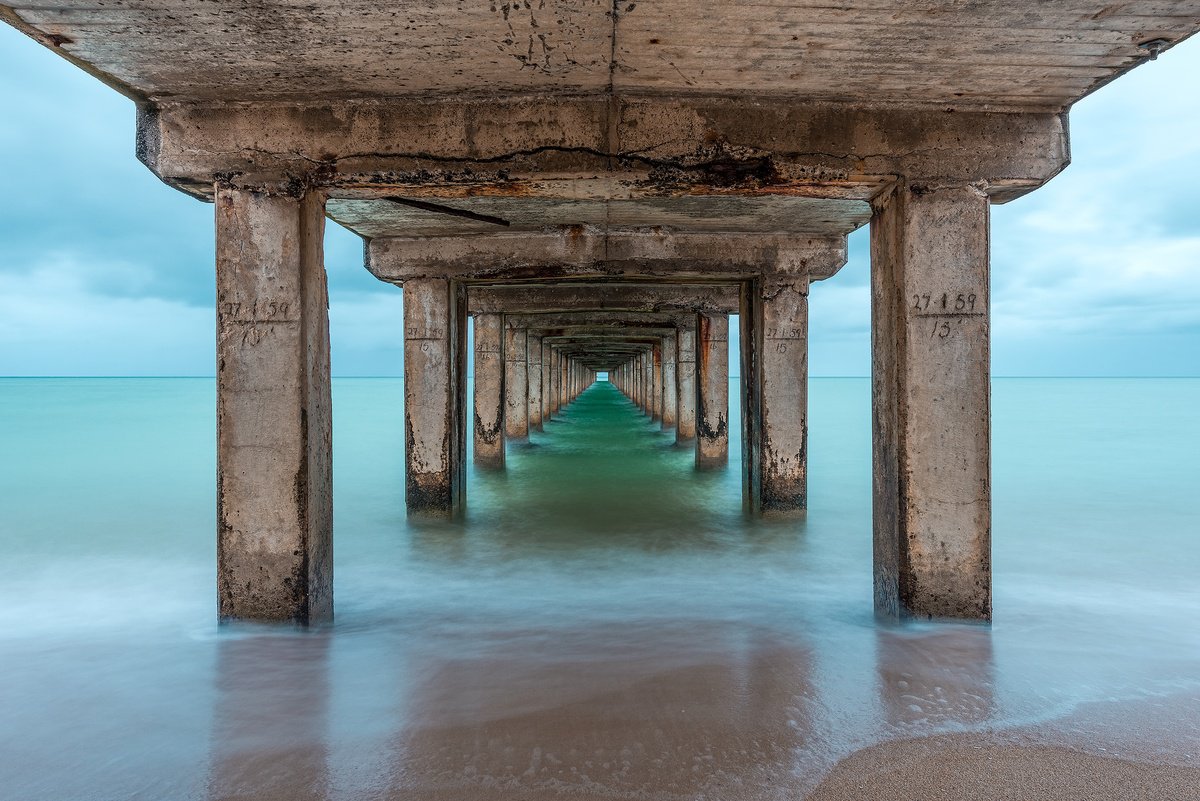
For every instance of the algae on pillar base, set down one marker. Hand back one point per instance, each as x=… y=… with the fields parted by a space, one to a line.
x=930 y=360
x=274 y=420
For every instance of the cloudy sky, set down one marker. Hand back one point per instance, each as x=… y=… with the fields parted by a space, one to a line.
x=106 y=271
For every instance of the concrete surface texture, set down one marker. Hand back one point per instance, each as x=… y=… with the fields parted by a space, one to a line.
x=520 y=162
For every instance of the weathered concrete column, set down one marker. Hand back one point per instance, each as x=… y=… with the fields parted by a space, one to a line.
x=547 y=380
x=274 y=430
x=636 y=375
x=648 y=383
x=685 y=373
x=560 y=380
x=656 y=378
x=670 y=382
x=712 y=390
x=930 y=360
x=534 y=360
x=516 y=384
x=640 y=381
x=566 y=379
x=434 y=311
x=774 y=319
x=489 y=390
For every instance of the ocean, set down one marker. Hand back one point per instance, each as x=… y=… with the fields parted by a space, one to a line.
x=604 y=622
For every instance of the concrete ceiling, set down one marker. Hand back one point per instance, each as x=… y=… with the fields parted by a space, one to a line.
x=965 y=53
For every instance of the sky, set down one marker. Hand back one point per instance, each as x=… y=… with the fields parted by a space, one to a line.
x=104 y=270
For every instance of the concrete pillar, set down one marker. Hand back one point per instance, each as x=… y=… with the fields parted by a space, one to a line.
x=564 y=382
x=656 y=377
x=555 y=381
x=712 y=390
x=516 y=385
x=547 y=383
x=685 y=374
x=670 y=382
x=434 y=311
x=489 y=390
x=636 y=376
x=930 y=359
x=639 y=381
x=648 y=383
x=274 y=429
x=534 y=360
x=774 y=320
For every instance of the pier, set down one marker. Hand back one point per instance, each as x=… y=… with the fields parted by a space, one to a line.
x=598 y=188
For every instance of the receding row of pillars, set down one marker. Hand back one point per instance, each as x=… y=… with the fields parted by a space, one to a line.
x=931 y=416
x=521 y=380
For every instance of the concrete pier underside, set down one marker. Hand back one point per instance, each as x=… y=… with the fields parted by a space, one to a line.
x=581 y=160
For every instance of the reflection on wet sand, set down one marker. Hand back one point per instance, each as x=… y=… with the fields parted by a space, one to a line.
x=269 y=738
x=937 y=679
x=676 y=710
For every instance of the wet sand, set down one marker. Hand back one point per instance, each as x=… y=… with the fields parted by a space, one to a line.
x=970 y=767
x=1137 y=750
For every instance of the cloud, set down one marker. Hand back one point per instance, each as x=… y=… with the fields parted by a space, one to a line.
x=53 y=309
x=103 y=269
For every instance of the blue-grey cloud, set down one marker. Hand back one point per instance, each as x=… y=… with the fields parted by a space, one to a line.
x=103 y=269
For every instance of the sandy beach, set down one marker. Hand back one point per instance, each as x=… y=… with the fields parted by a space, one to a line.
x=970 y=767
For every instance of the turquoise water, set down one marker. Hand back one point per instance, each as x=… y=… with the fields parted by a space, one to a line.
x=603 y=621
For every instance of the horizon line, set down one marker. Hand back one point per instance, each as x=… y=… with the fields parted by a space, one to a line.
x=731 y=377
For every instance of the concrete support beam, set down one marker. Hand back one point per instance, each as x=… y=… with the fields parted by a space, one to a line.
x=604 y=147
x=434 y=373
x=930 y=352
x=774 y=339
x=274 y=430
x=685 y=371
x=534 y=370
x=586 y=252
x=670 y=408
x=712 y=390
x=516 y=384
x=489 y=390
x=622 y=301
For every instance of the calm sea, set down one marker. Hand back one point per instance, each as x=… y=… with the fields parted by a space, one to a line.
x=603 y=622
